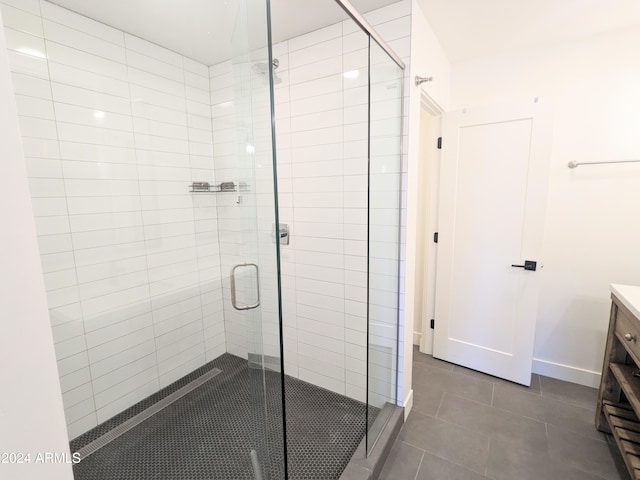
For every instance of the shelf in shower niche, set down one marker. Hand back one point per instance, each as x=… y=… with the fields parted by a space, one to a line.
x=206 y=187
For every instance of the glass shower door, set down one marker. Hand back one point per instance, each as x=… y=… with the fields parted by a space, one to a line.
x=252 y=263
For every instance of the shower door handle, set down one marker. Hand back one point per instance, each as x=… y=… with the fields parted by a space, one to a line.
x=233 y=287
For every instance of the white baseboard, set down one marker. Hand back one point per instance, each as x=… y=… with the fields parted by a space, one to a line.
x=580 y=376
x=408 y=404
x=417 y=336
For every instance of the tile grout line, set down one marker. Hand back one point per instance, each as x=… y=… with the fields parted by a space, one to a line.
x=452 y=462
x=534 y=394
x=197 y=255
x=136 y=155
x=508 y=385
x=493 y=393
x=419 y=465
x=546 y=424
x=440 y=404
x=93 y=415
x=483 y=405
x=486 y=467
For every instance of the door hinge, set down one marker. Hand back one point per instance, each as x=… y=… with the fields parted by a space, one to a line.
x=439 y=142
x=433 y=323
x=435 y=237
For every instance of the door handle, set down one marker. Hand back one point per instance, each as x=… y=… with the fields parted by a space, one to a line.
x=528 y=265
x=233 y=287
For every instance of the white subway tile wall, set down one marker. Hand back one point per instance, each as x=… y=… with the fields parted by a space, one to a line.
x=114 y=129
x=321 y=139
x=136 y=268
x=384 y=220
x=246 y=221
x=393 y=23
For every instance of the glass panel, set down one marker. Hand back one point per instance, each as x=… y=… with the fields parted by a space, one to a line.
x=254 y=285
x=118 y=125
x=385 y=170
x=321 y=119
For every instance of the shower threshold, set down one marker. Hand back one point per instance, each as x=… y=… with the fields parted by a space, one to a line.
x=208 y=431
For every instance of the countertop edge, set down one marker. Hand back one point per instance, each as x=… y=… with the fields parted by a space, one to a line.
x=629 y=295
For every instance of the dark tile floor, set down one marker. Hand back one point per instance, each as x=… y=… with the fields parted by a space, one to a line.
x=469 y=426
x=210 y=432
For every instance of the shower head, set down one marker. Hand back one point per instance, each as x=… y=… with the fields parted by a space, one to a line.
x=262 y=70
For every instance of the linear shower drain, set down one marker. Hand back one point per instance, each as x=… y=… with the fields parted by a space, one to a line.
x=147 y=413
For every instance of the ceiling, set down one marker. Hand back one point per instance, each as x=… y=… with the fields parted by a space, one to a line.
x=466 y=29
x=470 y=28
x=205 y=30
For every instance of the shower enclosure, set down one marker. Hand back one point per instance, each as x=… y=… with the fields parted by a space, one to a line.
x=217 y=196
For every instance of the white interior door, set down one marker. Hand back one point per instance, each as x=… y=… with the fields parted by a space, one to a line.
x=493 y=192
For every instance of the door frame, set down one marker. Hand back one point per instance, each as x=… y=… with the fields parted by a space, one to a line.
x=432 y=174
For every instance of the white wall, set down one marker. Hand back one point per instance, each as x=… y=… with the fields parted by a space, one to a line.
x=114 y=130
x=592 y=234
x=427 y=60
x=31 y=411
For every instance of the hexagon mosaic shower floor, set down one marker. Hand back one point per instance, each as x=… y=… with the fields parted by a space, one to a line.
x=209 y=433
